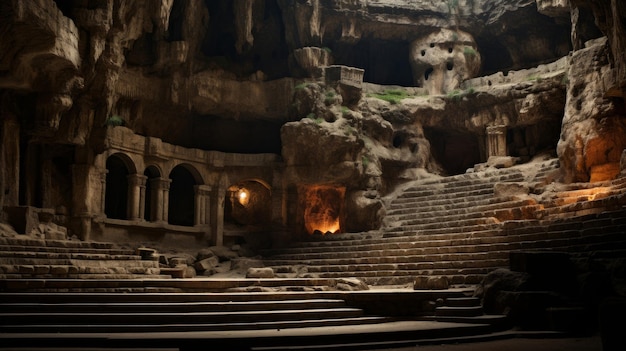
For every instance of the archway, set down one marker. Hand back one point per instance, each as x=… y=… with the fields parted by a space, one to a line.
x=248 y=202
x=181 y=207
x=116 y=196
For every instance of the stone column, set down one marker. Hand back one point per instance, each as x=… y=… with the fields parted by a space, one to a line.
x=496 y=141
x=135 y=183
x=142 y=198
x=217 y=215
x=9 y=160
x=160 y=198
x=203 y=193
x=165 y=189
x=103 y=191
x=86 y=179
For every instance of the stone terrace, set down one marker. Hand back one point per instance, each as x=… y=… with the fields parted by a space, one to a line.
x=457 y=228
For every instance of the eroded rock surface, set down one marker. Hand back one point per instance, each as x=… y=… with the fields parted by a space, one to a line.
x=356 y=96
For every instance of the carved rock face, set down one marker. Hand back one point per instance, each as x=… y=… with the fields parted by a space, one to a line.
x=443 y=59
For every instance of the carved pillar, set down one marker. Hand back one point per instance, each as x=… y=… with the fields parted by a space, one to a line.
x=165 y=190
x=9 y=160
x=103 y=191
x=142 y=198
x=496 y=141
x=86 y=180
x=217 y=215
x=135 y=182
x=202 y=193
x=160 y=198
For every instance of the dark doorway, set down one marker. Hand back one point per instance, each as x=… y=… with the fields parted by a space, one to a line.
x=116 y=197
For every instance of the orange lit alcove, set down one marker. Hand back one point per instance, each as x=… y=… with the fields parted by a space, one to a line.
x=322 y=207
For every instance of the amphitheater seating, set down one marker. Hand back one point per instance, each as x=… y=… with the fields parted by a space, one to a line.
x=58 y=292
x=457 y=228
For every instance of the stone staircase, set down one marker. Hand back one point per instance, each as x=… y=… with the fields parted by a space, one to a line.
x=134 y=313
x=23 y=256
x=455 y=227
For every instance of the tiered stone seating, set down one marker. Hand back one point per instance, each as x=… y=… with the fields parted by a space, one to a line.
x=123 y=313
x=455 y=227
x=23 y=256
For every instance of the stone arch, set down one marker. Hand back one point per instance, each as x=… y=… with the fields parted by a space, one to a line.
x=181 y=207
x=248 y=202
x=153 y=176
x=119 y=166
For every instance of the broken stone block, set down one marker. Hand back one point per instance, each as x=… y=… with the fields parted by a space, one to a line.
x=264 y=272
x=351 y=284
x=207 y=264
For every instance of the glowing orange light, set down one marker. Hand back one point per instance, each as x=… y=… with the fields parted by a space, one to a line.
x=323 y=208
x=243 y=196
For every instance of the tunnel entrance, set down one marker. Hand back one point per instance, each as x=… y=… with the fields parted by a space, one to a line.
x=248 y=202
x=455 y=151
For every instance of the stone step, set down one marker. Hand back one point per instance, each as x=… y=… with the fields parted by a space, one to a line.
x=396 y=255
x=409 y=275
x=459 y=311
x=155 y=318
x=503 y=211
x=452 y=210
x=52 y=270
x=25 y=240
x=443 y=199
x=611 y=203
x=455 y=228
x=170 y=307
x=495 y=176
x=388 y=238
x=498 y=320
x=81 y=263
x=64 y=257
x=374 y=278
x=187 y=327
x=462 y=301
x=148 y=282
x=51 y=250
x=413 y=266
x=460 y=204
x=439 y=191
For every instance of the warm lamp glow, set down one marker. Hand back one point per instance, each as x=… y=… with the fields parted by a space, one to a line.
x=243 y=196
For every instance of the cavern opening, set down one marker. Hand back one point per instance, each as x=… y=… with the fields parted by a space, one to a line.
x=268 y=51
x=248 y=202
x=528 y=141
x=322 y=208
x=385 y=62
x=454 y=151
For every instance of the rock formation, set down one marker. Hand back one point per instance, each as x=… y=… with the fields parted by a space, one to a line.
x=327 y=102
